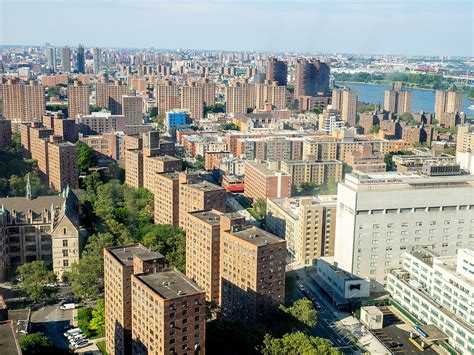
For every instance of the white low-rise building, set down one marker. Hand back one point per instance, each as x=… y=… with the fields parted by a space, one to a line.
x=381 y=215
x=438 y=291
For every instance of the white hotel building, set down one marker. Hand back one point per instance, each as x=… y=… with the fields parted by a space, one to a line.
x=381 y=215
x=438 y=291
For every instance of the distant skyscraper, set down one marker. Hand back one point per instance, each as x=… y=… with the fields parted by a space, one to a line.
x=448 y=101
x=51 y=58
x=66 y=59
x=192 y=99
x=277 y=70
x=398 y=101
x=345 y=101
x=80 y=60
x=312 y=77
x=97 y=60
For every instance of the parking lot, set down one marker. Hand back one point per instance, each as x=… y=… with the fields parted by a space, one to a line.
x=395 y=335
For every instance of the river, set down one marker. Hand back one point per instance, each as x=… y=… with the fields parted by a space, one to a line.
x=423 y=100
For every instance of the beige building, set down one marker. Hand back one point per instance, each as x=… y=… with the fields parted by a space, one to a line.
x=109 y=96
x=132 y=108
x=398 y=101
x=448 y=101
x=319 y=172
x=167 y=96
x=270 y=93
x=169 y=315
x=22 y=102
x=166 y=199
x=120 y=263
x=307 y=223
x=465 y=139
x=192 y=100
x=77 y=100
x=197 y=195
x=203 y=231
x=252 y=273
x=345 y=101
x=154 y=165
x=39 y=228
x=239 y=97
x=367 y=160
x=62 y=164
x=264 y=180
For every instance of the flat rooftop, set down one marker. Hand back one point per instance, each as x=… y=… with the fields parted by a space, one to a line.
x=293 y=205
x=8 y=342
x=126 y=253
x=164 y=158
x=205 y=186
x=171 y=176
x=264 y=169
x=170 y=284
x=209 y=217
x=399 y=180
x=257 y=236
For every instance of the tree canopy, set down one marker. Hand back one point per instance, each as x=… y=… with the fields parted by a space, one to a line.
x=35 y=278
x=297 y=343
x=86 y=156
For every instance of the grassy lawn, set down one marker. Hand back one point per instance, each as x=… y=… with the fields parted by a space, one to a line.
x=101 y=346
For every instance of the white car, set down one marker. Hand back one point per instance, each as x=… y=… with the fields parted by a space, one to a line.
x=66 y=306
x=72 y=332
x=81 y=344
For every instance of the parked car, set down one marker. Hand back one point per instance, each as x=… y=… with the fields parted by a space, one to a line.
x=81 y=344
x=72 y=332
x=66 y=306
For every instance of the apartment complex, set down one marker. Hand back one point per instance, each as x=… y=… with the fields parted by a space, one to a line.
x=169 y=314
x=438 y=291
x=307 y=170
x=167 y=96
x=39 y=228
x=312 y=78
x=277 y=70
x=109 y=96
x=192 y=100
x=57 y=159
x=154 y=165
x=270 y=93
x=77 y=99
x=307 y=223
x=465 y=139
x=166 y=199
x=197 y=195
x=252 y=273
x=448 y=101
x=367 y=160
x=397 y=100
x=100 y=122
x=120 y=263
x=239 y=97
x=5 y=133
x=22 y=102
x=381 y=215
x=132 y=109
x=345 y=101
x=264 y=180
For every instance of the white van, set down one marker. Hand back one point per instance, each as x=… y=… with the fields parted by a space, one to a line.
x=72 y=332
x=67 y=306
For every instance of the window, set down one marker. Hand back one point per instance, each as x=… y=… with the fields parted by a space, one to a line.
x=65 y=253
x=64 y=231
x=66 y=263
x=65 y=243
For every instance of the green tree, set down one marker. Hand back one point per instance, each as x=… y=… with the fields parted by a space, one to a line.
x=87 y=276
x=260 y=207
x=450 y=151
x=35 y=278
x=84 y=316
x=35 y=344
x=97 y=322
x=297 y=343
x=302 y=311
x=307 y=186
x=374 y=129
x=217 y=108
x=153 y=112
x=229 y=127
x=86 y=156
x=169 y=241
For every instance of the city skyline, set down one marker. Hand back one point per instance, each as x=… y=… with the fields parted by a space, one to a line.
x=361 y=27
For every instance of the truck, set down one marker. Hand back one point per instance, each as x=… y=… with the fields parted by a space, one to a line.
x=66 y=306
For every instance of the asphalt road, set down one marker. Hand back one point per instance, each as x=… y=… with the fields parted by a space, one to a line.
x=51 y=321
x=328 y=325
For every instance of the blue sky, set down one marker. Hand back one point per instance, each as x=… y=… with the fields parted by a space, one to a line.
x=436 y=27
